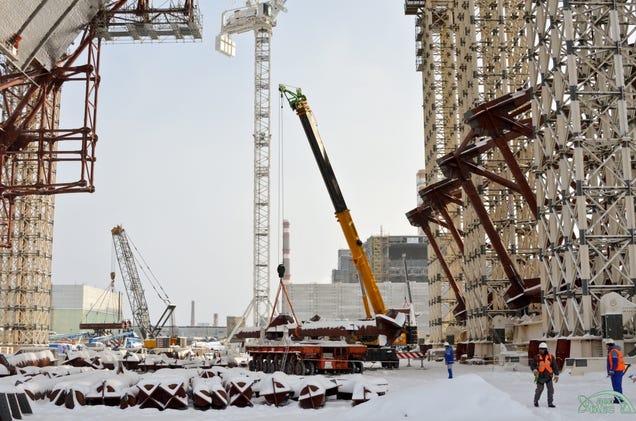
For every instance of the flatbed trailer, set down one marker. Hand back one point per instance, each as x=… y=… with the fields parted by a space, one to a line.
x=307 y=357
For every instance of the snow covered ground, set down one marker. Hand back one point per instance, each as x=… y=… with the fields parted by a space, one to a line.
x=417 y=393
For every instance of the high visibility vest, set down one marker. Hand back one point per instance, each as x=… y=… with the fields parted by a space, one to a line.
x=620 y=366
x=545 y=363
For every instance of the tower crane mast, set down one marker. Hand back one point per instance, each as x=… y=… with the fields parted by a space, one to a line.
x=259 y=17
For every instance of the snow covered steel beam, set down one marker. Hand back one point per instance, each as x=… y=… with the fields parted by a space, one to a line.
x=42 y=30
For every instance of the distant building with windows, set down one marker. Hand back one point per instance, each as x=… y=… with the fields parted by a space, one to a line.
x=342 y=299
x=346 y=271
x=385 y=254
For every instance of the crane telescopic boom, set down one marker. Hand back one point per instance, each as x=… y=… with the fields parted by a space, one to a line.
x=298 y=103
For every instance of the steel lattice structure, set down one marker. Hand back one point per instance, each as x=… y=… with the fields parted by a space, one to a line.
x=262 y=138
x=32 y=146
x=585 y=156
x=259 y=18
x=33 y=69
x=577 y=58
x=132 y=281
x=467 y=40
x=434 y=34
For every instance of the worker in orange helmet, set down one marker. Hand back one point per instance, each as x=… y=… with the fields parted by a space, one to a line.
x=545 y=369
x=615 y=366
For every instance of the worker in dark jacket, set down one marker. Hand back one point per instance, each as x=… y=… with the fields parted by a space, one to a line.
x=449 y=358
x=615 y=366
x=545 y=369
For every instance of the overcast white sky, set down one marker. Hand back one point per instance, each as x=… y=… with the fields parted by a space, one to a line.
x=175 y=152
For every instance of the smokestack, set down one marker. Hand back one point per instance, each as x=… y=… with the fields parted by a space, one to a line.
x=286 y=263
x=192 y=314
x=215 y=319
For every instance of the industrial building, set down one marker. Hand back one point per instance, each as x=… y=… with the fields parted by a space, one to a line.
x=388 y=256
x=343 y=301
x=80 y=303
x=75 y=304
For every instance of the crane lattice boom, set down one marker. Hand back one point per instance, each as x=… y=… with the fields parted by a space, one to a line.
x=130 y=276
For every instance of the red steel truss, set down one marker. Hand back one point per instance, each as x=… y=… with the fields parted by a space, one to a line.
x=493 y=125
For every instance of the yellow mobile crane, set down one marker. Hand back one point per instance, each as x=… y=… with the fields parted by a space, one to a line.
x=370 y=291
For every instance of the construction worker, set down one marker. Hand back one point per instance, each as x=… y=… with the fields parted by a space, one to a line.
x=449 y=358
x=545 y=369
x=615 y=366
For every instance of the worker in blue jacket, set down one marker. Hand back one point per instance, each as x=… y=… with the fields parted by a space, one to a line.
x=449 y=358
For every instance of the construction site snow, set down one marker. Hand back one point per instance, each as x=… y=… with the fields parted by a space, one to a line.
x=419 y=391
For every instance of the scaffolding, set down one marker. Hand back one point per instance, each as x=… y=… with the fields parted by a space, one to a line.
x=34 y=66
x=577 y=58
x=585 y=157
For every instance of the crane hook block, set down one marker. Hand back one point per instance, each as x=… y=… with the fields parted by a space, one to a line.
x=281 y=270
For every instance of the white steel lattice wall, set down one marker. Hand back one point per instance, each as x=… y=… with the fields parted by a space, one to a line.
x=579 y=59
x=441 y=131
x=25 y=275
x=25 y=268
x=473 y=51
x=583 y=62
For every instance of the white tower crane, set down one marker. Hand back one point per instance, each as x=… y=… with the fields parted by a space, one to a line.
x=259 y=17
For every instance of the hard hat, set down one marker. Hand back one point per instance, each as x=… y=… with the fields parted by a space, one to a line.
x=446 y=344
x=609 y=341
x=543 y=345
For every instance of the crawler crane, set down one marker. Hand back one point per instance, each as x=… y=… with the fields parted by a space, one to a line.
x=134 y=288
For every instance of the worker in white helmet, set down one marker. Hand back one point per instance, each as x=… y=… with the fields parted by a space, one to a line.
x=616 y=366
x=545 y=369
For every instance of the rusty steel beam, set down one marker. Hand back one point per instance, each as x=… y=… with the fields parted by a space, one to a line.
x=436 y=197
x=493 y=124
x=420 y=217
x=495 y=119
x=30 y=134
x=515 y=296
